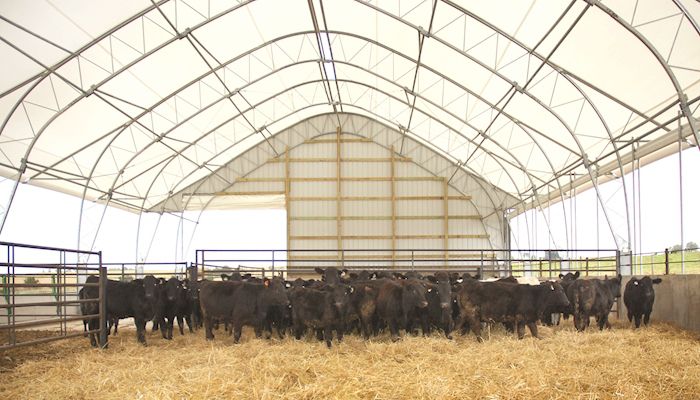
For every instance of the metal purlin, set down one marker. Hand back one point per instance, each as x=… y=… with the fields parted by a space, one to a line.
x=682 y=97
x=524 y=90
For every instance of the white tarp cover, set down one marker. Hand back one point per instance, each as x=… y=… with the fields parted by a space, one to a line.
x=131 y=101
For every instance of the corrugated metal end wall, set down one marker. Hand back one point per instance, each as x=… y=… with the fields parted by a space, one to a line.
x=351 y=189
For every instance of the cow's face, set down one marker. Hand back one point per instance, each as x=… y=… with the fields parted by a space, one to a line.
x=414 y=294
x=151 y=286
x=172 y=288
x=645 y=285
x=441 y=289
x=556 y=297
x=615 y=285
x=340 y=295
x=276 y=291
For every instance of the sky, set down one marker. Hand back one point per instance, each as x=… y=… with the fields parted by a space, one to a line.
x=42 y=217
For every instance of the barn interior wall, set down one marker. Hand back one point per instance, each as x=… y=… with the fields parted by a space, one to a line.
x=383 y=201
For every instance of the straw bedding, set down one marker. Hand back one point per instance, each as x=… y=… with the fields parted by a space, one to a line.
x=656 y=362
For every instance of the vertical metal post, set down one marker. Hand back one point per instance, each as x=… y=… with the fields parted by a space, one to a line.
x=666 y=260
x=273 y=263
x=586 y=266
x=680 y=186
x=617 y=262
x=123 y=278
x=13 y=277
x=412 y=264
x=481 y=265
x=103 y=304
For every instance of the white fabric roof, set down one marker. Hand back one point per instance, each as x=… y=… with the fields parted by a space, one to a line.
x=132 y=101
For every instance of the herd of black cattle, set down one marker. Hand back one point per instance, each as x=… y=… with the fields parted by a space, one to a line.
x=363 y=301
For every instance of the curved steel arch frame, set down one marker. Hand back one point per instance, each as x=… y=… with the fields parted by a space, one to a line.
x=563 y=73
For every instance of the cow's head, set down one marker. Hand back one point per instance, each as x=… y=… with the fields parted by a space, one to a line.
x=645 y=286
x=151 y=286
x=275 y=291
x=615 y=285
x=173 y=286
x=554 y=295
x=570 y=276
x=340 y=296
x=441 y=289
x=413 y=294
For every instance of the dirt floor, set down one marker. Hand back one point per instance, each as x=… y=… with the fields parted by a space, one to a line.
x=654 y=363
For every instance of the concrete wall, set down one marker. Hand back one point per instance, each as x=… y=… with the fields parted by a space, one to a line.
x=677 y=301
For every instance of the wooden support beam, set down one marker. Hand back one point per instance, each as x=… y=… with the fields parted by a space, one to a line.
x=344 y=160
x=387 y=237
x=376 y=198
x=382 y=217
x=446 y=213
x=287 y=190
x=393 y=207
x=349 y=140
x=345 y=179
x=398 y=257
x=338 y=204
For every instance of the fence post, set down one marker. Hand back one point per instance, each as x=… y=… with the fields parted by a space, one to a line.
x=617 y=262
x=481 y=266
x=586 y=266
x=103 y=305
x=666 y=260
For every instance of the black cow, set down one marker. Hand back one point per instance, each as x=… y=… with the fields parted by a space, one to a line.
x=398 y=303
x=170 y=300
x=332 y=275
x=552 y=316
x=593 y=297
x=135 y=299
x=439 y=296
x=639 y=299
x=363 y=306
x=519 y=304
x=241 y=303
x=323 y=309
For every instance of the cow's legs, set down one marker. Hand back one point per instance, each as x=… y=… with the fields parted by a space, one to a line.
x=237 y=329
x=646 y=318
x=328 y=334
x=92 y=325
x=208 y=328
x=520 y=327
x=140 y=330
x=180 y=324
x=533 y=329
x=394 y=329
x=637 y=320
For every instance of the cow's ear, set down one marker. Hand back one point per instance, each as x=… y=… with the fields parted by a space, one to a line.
x=343 y=273
x=577 y=274
x=432 y=279
x=477 y=277
x=162 y=281
x=224 y=277
x=373 y=276
x=657 y=280
x=635 y=282
x=319 y=271
x=561 y=276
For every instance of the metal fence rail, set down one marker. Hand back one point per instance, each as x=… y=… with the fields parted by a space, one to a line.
x=485 y=262
x=40 y=290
